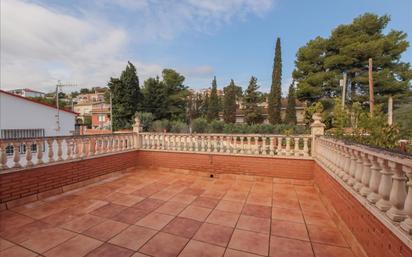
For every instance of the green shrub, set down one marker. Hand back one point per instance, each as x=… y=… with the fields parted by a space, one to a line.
x=216 y=126
x=199 y=125
x=179 y=127
x=146 y=120
x=161 y=125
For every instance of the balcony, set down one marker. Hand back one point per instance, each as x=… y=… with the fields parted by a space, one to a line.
x=160 y=194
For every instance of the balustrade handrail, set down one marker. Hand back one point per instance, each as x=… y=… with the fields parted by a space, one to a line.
x=8 y=140
x=226 y=134
x=380 y=180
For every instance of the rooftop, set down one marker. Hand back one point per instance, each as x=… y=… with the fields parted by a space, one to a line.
x=161 y=213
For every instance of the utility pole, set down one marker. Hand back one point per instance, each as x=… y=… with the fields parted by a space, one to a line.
x=343 y=83
x=59 y=87
x=371 y=97
x=111 y=112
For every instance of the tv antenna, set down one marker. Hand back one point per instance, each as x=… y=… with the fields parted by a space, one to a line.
x=59 y=87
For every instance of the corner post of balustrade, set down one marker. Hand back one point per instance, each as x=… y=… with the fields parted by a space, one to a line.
x=317 y=129
x=136 y=132
x=407 y=223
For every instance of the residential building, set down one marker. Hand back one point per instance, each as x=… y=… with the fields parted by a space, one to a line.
x=100 y=116
x=26 y=92
x=93 y=111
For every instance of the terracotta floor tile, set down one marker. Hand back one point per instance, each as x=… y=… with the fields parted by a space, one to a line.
x=230 y=206
x=124 y=199
x=17 y=251
x=206 y=202
x=130 y=215
x=286 y=204
x=164 y=245
x=182 y=227
x=224 y=218
x=10 y=220
x=23 y=233
x=83 y=223
x=214 y=234
x=77 y=246
x=164 y=195
x=331 y=251
x=285 y=247
x=47 y=239
x=4 y=244
x=252 y=223
x=214 y=194
x=257 y=211
x=193 y=191
x=105 y=230
x=293 y=215
x=60 y=218
x=326 y=235
x=236 y=253
x=133 y=237
x=235 y=196
x=172 y=208
x=289 y=229
x=248 y=241
x=259 y=199
x=109 y=250
x=146 y=191
x=109 y=210
x=195 y=212
x=183 y=198
x=155 y=220
x=196 y=248
x=149 y=204
x=318 y=218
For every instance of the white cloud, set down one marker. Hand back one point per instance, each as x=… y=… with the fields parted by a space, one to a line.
x=40 y=45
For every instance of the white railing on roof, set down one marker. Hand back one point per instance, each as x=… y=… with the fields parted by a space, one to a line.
x=26 y=153
x=381 y=180
x=233 y=144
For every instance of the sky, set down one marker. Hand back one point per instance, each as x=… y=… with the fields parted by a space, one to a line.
x=87 y=42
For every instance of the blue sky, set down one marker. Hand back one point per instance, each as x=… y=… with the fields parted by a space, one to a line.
x=86 y=42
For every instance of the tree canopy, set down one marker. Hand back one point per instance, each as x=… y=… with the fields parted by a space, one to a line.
x=213 y=103
x=252 y=112
x=322 y=61
x=229 y=103
x=290 y=117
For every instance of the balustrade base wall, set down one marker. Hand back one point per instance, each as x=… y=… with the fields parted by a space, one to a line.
x=372 y=235
x=32 y=184
x=229 y=164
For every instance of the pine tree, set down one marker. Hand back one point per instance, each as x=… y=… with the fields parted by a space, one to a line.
x=126 y=97
x=321 y=62
x=252 y=112
x=290 y=117
x=213 y=104
x=229 y=103
x=155 y=98
x=275 y=96
x=205 y=106
x=177 y=94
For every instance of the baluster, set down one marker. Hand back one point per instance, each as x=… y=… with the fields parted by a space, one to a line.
x=242 y=145
x=352 y=167
x=359 y=172
x=365 y=190
x=288 y=146
x=92 y=146
x=59 y=149
x=346 y=163
x=214 y=144
x=343 y=161
x=83 y=148
x=29 y=162
x=16 y=154
x=256 y=146
x=296 y=146
x=98 y=148
x=398 y=193
x=279 y=146
x=385 y=186
x=228 y=138
x=305 y=147
x=39 y=147
x=407 y=223
x=373 y=196
x=248 y=144
x=164 y=142
x=105 y=144
x=209 y=143
x=3 y=156
x=50 y=150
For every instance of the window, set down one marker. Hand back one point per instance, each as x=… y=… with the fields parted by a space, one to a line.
x=101 y=117
x=21 y=134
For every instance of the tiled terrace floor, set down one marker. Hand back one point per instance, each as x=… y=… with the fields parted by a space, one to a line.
x=152 y=213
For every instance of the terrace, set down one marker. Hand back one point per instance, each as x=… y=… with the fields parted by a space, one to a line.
x=159 y=194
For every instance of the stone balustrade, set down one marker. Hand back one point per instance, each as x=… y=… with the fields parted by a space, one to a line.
x=381 y=180
x=234 y=144
x=26 y=153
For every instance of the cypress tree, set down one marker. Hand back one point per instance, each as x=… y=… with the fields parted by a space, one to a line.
x=290 y=117
x=213 y=103
x=275 y=95
x=252 y=112
x=126 y=97
x=229 y=103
